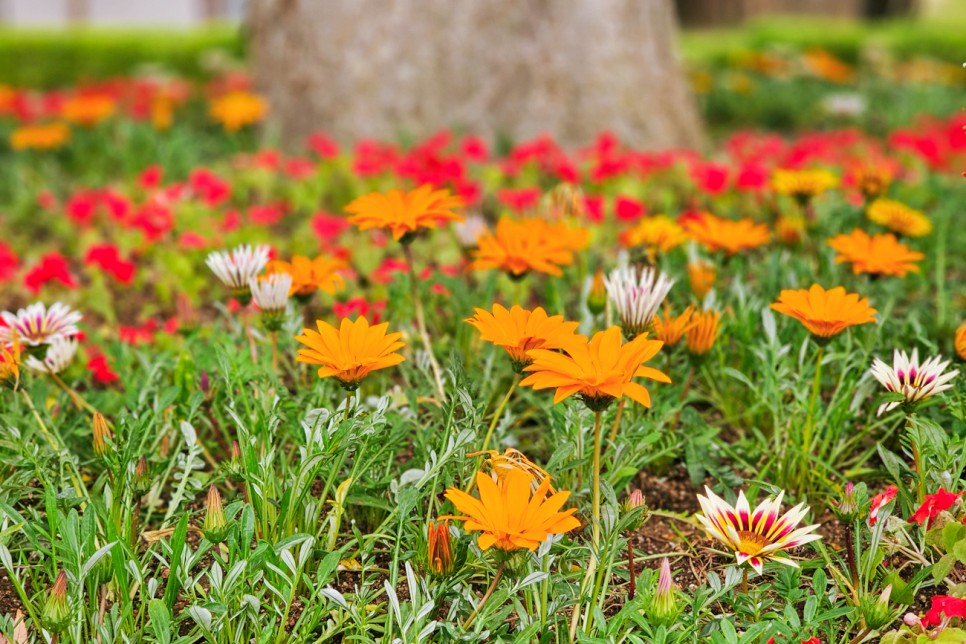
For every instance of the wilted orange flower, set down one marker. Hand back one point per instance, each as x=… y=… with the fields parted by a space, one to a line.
x=518 y=247
x=310 y=275
x=10 y=363
x=600 y=370
x=703 y=331
x=825 y=313
x=88 y=109
x=657 y=234
x=960 y=341
x=509 y=514
x=238 y=109
x=899 y=218
x=715 y=233
x=670 y=329
x=439 y=553
x=512 y=459
x=404 y=213
x=519 y=330
x=876 y=254
x=44 y=136
x=350 y=352
x=702 y=276
x=828 y=67
x=803 y=185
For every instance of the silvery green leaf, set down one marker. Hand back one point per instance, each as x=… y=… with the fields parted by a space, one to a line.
x=427 y=631
x=189 y=433
x=768 y=322
x=201 y=616
x=334 y=595
x=90 y=563
x=529 y=580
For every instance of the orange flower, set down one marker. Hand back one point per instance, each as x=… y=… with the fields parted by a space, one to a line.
x=350 y=352
x=872 y=178
x=960 y=341
x=657 y=234
x=669 y=329
x=899 y=218
x=509 y=514
x=703 y=332
x=715 y=233
x=404 y=213
x=600 y=370
x=790 y=229
x=519 y=330
x=238 y=109
x=828 y=67
x=310 y=275
x=878 y=254
x=825 y=313
x=88 y=110
x=512 y=459
x=702 y=275
x=803 y=185
x=439 y=553
x=46 y=136
x=518 y=247
x=10 y=363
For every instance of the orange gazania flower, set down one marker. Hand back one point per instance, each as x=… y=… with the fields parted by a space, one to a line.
x=88 y=110
x=899 y=218
x=45 y=136
x=872 y=178
x=512 y=459
x=519 y=330
x=10 y=363
x=509 y=514
x=657 y=234
x=876 y=254
x=825 y=313
x=715 y=233
x=960 y=341
x=600 y=370
x=238 y=109
x=702 y=275
x=803 y=185
x=404 y=213
x=703 y=331
x=310 y=275
x=518 y=247
x=670 y=329
x=350 y=352
x=439 y=552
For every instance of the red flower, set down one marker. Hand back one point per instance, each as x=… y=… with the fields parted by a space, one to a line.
x=322 y=145
x=594 y=207
x=81 y=207
x=137 y=335
x=52 y=267
x=211 y=188
x=627 y=208
x=519 y=200
x=711 y=178
x=951 y=607
x=880 y=500
x=752 y=176
x=389 y=267
x=265 y=215
x=151 y=177
x=474 y=148
x=328 y=227
x=9 y=262
x=933 y=505
x=298 y=168
x=101 y=371
x=359 y=307
x=108 y=259
x=192 y=241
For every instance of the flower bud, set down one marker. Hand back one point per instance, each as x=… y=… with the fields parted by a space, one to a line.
x=847 y=508
x=215 y=527
x=663 y=607
x=634 y=501
x=439 y=551
x=56 y=615
x=702 y=276
x=142 y=477
x=102 y=435
x=875 y=610
x=597 y=296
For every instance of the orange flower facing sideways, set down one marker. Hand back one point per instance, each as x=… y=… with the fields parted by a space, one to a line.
x=518 y=247
x=404 y=213
x=236 y=110
x=600 y=370
x=670 y=329
x=655 y=235
x=899 y=218
x=88 y=110
x=519 y=330
x=310 y=275
x=960 y=341
x=825 y=313
x=875 y=254
x=715 y=233
x=703 y=332
x=509 y=514
x=43 y=136
x=351 y=352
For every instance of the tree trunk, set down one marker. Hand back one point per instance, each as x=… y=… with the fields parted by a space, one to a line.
x=518 y=68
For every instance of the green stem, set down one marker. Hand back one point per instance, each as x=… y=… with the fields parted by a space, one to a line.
x=816 y=387
x=421 y=323
x=617 y=420
x=489 y=591
x=917 y=464
x=744 y=580
x=55 y=445
x=596 y=490
x=498 y=414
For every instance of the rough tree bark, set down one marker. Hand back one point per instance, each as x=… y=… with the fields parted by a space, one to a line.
x=382 y=68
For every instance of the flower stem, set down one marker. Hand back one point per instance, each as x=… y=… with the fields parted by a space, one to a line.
x=917 y=464
x=498 y=414
x=421 y=322
x=809 y=422
x=631 y=574
x=55 y=444
x=489 y=591
x=348 y=405
x=75 y=397
x=617 y=420
x=850 y=556
x=683 y=397
x=744 y=581
x=274 y=351
x=595 y=532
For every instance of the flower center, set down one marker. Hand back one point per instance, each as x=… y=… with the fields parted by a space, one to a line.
x=751 y=542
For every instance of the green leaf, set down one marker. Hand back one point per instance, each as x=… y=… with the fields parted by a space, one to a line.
x=943 y=567
x=959 y=551
x=160 y=620
x=174 y=573
x=952 y=532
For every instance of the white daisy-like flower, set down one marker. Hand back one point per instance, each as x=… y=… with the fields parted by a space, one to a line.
x=470 y=229
x=60 y=353
x=37 y=324
x=637 y=295
x=270 y=293
x=238 y=267
x=913 y=380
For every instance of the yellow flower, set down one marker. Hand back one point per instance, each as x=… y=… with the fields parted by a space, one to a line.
x=46 y=136
x=519 y=330
x=10 y=363
x=703 y=332
x=88 y=110
x=600 y=370
x=404 y=213
x=518 y=247
x=238 y=109
x=702 y=275
x=350 y=352
x=670 y=329
x=310 y=275
x=657 y=234
x=877 y=255
x=899 y=218
x=790 y=229
x=872 y=178
x=715 y=233
x=509 y=514
x=825 y=313
x=803 y=185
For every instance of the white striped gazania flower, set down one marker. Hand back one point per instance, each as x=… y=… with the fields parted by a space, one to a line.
x=270 y=294
x=637 y=295
x=37 y=324
x=60 y=353
x=913 y=380
x=238 y=267
x=755 y=536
